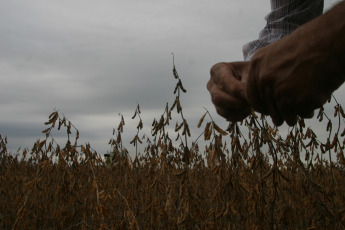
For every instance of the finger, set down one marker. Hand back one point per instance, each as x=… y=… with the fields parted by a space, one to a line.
x=306 y=114
x=277 y=119
x=228 y=77
x=234 y=87
x=306 y=109
x=233 y=115
x=287 y=110
x=291 y=120
x=271 y=108
x=253 y=94
x=222 y=99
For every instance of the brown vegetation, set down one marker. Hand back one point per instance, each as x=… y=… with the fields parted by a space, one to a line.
x=252 y=181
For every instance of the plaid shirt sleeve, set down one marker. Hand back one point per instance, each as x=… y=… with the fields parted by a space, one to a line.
x=285 y=17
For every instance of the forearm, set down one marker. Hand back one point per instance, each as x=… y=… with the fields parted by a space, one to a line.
x=324 y=39
x=333 y=23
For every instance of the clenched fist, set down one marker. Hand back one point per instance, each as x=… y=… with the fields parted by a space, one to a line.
x=227 y=87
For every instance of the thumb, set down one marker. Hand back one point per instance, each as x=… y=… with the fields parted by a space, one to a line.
x=253 y=94
x=236 y=88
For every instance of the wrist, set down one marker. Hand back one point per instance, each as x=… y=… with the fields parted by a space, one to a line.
x=322 y=42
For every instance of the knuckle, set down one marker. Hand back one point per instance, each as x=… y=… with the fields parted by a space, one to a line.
x=214 y=69
x=216 y=98
x=209 y=85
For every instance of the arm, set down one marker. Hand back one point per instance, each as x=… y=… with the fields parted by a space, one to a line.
x=227 y=84
x=297 y=74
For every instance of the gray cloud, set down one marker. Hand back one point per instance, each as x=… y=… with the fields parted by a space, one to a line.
x=93 y=60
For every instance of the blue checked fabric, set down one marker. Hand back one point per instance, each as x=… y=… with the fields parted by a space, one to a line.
x=285 y=17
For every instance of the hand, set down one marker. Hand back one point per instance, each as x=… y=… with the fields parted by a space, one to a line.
x=298 y=74
x=289 y=79
x=227 y=87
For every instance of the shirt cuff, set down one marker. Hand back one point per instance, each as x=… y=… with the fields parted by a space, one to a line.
x=285 y=17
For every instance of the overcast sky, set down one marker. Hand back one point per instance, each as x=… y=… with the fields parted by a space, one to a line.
x=92 y=60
